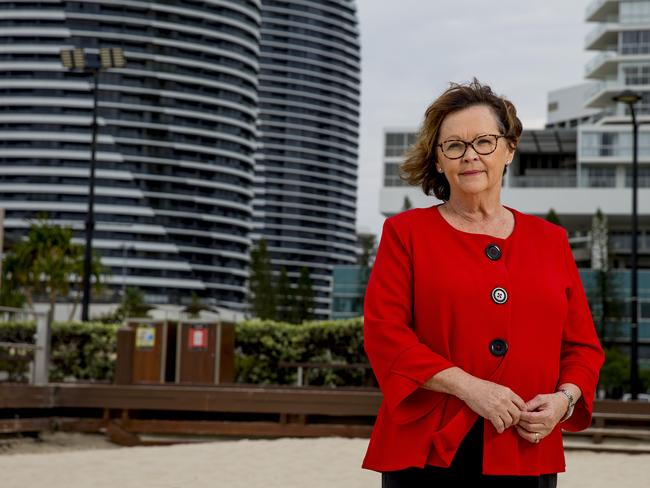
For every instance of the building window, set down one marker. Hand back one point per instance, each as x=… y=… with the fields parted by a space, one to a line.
x=643 y=177
x=633 y=12
x=635 y=42
x=613 y=144
x=398 y=142
x=391 y=175
x=601 y=176
x=637 y=74
x=552 y=106
x=600 y=144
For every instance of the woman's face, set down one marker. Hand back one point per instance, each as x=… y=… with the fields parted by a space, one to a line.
x=473 y=173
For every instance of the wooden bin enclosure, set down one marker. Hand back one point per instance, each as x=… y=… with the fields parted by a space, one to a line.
x=205 y=352
x=150 y=344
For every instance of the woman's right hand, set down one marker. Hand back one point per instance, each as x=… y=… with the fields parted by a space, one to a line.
x=496 y=403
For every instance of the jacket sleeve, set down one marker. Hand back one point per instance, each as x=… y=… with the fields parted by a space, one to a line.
x=581 y=355
x=399 y=360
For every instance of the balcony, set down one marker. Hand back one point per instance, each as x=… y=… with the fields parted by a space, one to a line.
x=616 y=152
x=603 y=36
x=544 y=181
x=601 y=66
x=600 y=95
x=643 y=181
x=576 y=206
x=623 y=243
x=601 y=10
x=605 y=64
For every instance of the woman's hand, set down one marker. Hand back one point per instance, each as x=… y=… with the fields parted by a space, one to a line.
x=541 y=415
x=496 y=403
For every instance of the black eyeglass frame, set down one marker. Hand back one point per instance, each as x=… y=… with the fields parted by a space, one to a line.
x=471 y=143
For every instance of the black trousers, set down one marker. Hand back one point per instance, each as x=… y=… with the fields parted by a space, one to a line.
x=465 y=470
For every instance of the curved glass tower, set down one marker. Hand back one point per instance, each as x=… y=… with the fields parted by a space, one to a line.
x=175 y=166
x=306 y=167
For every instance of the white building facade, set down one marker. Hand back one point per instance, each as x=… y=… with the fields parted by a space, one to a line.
x=582 y=161
x=621 y=39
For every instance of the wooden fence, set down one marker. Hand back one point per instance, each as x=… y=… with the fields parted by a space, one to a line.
x=124 y=412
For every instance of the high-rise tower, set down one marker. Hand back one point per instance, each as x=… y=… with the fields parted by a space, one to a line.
x=174 y=189
x=306 y=167
x=622 y=38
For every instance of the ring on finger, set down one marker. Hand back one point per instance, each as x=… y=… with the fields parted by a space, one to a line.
x=536 y=437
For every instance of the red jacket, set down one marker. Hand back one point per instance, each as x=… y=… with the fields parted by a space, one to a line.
x=431 y=304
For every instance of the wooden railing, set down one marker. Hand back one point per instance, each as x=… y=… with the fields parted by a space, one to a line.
x=125 y=411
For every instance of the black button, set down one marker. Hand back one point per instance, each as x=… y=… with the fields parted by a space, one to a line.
x=493 y=252
x=499 y=295
x=498 y=347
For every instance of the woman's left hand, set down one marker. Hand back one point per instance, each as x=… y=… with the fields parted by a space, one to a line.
x=541 y=416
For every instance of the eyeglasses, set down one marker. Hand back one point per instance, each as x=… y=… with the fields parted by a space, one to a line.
x=483 y=145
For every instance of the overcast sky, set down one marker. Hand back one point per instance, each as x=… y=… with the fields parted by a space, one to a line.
x=412 y=49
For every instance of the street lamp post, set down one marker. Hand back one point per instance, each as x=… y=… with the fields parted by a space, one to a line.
x=125 y=246
x=76 y=59
x=630 y=98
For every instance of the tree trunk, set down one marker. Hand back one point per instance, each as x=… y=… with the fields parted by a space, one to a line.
x=30 y=298
x=50 y=313
x=74 y=306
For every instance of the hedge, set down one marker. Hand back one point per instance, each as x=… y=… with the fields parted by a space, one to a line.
x=87 y=351
x=80 y=351
x=261 y=345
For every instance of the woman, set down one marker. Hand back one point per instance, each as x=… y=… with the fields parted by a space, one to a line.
x=476 y=323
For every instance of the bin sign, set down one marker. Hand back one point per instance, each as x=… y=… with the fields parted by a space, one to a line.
x=145 y=337
x=198 y=337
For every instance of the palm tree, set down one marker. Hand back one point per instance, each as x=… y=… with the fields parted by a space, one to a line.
x=133 y=303
x=46 y=263
x=195 y=306
x=11 y=294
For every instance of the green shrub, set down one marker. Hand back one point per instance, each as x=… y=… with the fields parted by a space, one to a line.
x=83 y=351
x=22 y=332
x=80 y=351
x=87 y=351
x=615 y=373
x=261 y=345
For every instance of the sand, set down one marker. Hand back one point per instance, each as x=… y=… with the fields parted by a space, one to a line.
x=81 y=461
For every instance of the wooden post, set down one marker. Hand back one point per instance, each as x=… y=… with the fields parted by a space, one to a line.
x=226 y=347
x=599 y=424
x=124 y=366
x=42 y=353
